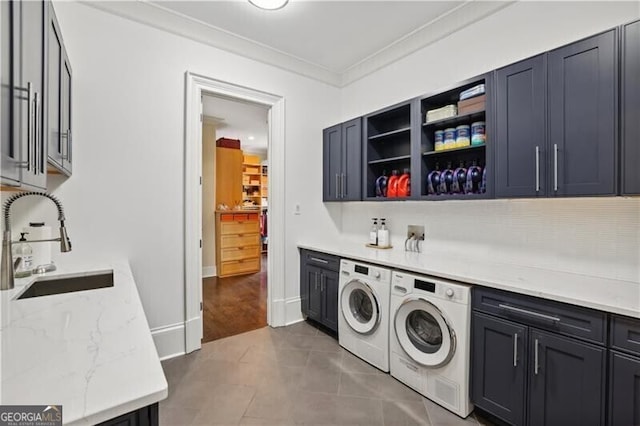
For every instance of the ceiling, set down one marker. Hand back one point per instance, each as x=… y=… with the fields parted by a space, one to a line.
x=317 y=31
x=337 y=42
x=236 y=119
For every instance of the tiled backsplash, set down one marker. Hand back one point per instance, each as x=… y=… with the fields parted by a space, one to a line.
x=593 y=236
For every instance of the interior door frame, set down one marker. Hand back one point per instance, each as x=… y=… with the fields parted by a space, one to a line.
x=196 y=86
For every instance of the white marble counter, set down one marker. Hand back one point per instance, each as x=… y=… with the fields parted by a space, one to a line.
x=90 y=351
x=460 y=264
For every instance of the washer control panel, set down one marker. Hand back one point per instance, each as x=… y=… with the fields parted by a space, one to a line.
x=362 y=270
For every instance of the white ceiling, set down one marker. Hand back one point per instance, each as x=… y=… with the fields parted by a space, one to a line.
x=239 y=120
x=319 y=31
x=337 y=42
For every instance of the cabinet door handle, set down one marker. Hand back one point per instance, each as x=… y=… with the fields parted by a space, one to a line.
x=322 y=282
x=315 y=281
x=530 y=313
x=537 y=169
x=67 y=156
x=555 y=167
x=342 y=185
x=30 y=120
x=535 y=356
x=315 y=259
x=37 y=139
x=515 y=350
x=337 y=186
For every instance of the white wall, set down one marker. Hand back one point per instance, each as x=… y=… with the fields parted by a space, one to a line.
x=126 y=195
x=590 y=235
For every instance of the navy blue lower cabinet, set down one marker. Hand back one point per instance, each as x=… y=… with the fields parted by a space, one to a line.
x=314 y=282
x=499 y=365
x=566 y=385
x=624 y=389
x=536 y=362
x=145 y=416
x=319 y=288
x=329 y=287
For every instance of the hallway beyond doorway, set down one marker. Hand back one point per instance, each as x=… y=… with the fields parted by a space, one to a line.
x=234 y=305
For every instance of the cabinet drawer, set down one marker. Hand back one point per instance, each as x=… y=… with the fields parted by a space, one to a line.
x=239 y=240
x=544 y=314
x=227 y=228
x=625 y=334
x=322 y=260
x=239 y=266
x=239 y=253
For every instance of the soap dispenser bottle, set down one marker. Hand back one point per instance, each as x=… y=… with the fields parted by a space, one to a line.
x=373 y=233
x=383 y=235
x=23 y=257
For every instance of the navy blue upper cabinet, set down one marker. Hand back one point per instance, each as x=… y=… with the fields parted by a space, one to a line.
x=630 y=101
x=342 y=171
x=521 y=148
x=582 y=113
x=59 y=131
x=24 y=93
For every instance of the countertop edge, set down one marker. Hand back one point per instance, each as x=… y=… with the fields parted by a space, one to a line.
x=119 y=410
x=609 y=308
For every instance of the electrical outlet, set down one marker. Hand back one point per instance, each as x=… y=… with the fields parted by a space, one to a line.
x=296 y=209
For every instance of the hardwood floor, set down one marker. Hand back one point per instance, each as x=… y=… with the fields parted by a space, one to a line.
x=234 y=305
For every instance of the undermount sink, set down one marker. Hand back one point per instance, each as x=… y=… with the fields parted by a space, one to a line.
x=48 y=286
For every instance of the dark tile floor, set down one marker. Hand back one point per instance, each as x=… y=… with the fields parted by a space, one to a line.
x=286 y=376
x=234 y=305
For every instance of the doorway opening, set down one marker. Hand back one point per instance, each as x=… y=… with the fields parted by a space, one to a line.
x=196 y=86
x=235 y=203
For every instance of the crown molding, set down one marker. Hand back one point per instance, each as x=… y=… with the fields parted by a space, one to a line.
x=437 y=29
x=168 y=20
x=173 y=22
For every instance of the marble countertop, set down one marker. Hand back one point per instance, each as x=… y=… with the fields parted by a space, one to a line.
x=609 y=295
x=90 y=351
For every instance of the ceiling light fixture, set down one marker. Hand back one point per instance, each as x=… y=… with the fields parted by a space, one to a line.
x=269 y=4
x=251 y=138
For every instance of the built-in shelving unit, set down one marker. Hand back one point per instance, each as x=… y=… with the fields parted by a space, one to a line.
x=252 y=180
x=458 y=158
x=387 y=145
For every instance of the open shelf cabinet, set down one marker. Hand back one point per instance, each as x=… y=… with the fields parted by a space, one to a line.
x=467 y=163
x=388 y=144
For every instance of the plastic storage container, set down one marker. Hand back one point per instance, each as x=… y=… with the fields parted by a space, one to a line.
x=449 y=138
x=462 y=136
x=439 y=140
x=478 y=136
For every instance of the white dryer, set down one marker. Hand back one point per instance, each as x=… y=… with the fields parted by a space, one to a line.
x=430 y=335
x=363 y=323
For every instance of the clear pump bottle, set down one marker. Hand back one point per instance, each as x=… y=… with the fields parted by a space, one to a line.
x=373 y=233
x=383 y=234
x=23 y=251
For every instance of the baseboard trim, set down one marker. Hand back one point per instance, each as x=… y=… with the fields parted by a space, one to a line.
x=209 y=271
x=169 y=340
x=293 y=310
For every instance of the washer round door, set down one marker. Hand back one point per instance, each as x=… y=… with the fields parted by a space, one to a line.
x=360 y=307
x=424 y=333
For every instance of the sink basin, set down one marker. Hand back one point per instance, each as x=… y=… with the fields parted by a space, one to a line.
x=49 y=286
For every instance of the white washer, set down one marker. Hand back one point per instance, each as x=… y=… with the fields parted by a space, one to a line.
x=363 y=323
x=430 y=334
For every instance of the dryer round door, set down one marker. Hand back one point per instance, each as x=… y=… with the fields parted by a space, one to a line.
x=360 y=307
x=424 y=333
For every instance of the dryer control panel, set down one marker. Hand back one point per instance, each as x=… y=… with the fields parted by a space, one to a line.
x=403 y=283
